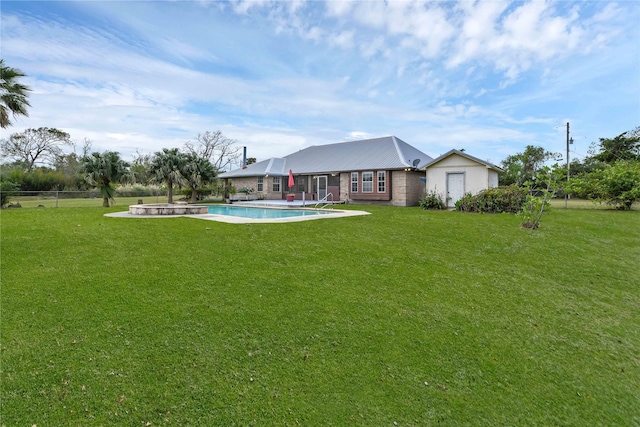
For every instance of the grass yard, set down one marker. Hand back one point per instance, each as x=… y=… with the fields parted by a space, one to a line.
x=584 y=204
x=404 y=317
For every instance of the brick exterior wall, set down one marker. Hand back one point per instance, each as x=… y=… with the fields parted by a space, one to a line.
x=406 y=188
x=415 y=187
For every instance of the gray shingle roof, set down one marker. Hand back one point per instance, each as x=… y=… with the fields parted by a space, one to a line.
x=386 y=153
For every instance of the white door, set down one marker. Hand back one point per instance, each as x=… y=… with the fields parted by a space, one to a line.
x=322 y=187
x=455 y=188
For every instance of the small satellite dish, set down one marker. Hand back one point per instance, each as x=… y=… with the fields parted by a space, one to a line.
x=416 y=162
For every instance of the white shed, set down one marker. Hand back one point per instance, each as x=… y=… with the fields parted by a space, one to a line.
x=456 y=173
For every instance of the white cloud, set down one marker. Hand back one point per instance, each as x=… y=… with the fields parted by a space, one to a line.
x=478 y=27
x=509 y=37
x=339 y=8
x=314 y=33
x=279 y=76
x=480 y=93
x=244 y=6
x=371 y=48
x=515 y=39
x=185 y=51
x=356 y=135
x=343 y=39
x=372 y=14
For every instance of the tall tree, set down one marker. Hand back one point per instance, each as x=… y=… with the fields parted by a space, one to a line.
x=167 y=166
x=35 y=146
x=611 y=174
x=103 y=169
x=13 y=95
x=140 y=168
x=70 y=164
x=523 y=167
x=625 y=146
x=215 y=147
x=197 y=172
x=617 y=184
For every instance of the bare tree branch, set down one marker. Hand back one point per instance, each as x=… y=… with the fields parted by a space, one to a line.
x=35 y=146
x=215 y=147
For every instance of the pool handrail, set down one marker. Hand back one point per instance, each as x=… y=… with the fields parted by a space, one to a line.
x=328 y=201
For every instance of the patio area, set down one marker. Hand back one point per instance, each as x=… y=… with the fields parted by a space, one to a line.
x=283 y=203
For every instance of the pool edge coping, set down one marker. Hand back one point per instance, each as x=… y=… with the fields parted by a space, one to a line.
x=334 y=213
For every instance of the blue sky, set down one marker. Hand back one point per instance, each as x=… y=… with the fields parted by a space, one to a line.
x=490 y=77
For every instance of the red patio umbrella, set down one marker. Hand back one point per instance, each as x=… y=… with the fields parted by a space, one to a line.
x=291 y=181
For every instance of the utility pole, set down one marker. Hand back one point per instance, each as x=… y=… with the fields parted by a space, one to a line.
x=566 y=195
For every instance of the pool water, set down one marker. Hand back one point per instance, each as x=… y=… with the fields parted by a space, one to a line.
x=260 y=213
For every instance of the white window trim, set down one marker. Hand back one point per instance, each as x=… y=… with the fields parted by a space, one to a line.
x=370 y=182
x=354 y=174
x=276 y=180
x=383 y=181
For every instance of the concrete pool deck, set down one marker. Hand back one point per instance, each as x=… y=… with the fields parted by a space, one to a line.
x=281 y=203
x=327 y=214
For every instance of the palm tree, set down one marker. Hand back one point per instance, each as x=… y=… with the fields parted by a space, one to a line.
x=167 y=166
x=198 y=171
x=101 y=169
x=13 y=95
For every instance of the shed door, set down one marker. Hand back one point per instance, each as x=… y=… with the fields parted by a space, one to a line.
x=455 y=188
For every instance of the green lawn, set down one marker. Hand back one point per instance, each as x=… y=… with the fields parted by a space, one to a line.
x=404 y=316
x=584 y=204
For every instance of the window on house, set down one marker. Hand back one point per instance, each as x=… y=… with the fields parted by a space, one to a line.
x=367 y=182
x=354 y=182
x=302 y=184
x=260 y=183
x=276 y=183
x=382 y=181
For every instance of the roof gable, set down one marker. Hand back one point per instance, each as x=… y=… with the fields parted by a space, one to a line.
x=273 y=166
x=468 y=157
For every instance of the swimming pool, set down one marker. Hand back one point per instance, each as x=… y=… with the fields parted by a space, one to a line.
x=262 y=213
x=238 y=214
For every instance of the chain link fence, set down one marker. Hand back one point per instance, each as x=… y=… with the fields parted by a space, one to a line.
x=92 y=198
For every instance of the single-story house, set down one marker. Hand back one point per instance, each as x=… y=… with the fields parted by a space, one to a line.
x=382 y=170
x=456 y=173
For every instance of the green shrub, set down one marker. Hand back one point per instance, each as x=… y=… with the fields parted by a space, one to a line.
x=466 y=204
x=136 y=191
x=509 y=199
x=617 y=185
x=432 y=200
x=201 y=193
x=7 y=188
x=40 y=179
x=532 y=211
x=538 y=200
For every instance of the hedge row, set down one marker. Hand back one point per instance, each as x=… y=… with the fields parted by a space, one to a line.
x=509 y=199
